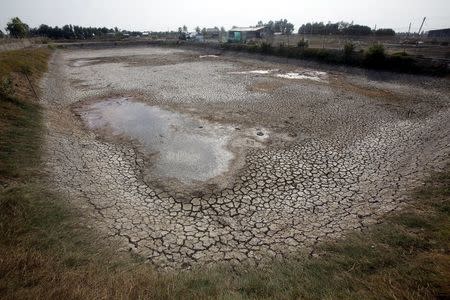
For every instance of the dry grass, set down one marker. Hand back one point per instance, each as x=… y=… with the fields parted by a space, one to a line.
x=46 y=253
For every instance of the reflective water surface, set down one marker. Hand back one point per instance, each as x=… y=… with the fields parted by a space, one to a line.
x=183 y=147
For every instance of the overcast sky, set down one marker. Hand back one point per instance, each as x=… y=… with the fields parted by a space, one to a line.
x=170 y=14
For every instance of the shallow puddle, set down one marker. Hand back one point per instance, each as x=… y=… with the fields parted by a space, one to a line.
x=308 y=76
x=209 y=56
x=182 y=147
x=256 y=72
x=305 y=74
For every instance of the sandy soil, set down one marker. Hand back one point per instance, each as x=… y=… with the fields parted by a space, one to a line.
x=343 y=148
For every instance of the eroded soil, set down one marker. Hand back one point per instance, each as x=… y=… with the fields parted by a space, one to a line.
x=339 y=151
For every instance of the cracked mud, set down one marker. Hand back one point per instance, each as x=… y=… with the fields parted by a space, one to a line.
x=242 y=166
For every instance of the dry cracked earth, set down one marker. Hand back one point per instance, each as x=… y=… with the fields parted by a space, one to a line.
x=315 y=152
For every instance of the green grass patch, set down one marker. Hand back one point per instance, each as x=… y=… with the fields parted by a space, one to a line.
x=34 y=59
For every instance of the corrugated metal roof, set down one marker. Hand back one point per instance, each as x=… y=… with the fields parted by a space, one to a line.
x=247 y=28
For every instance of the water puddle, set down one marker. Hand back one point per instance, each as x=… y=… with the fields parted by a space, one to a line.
x=209 y=56
x=257 y=72
x=84 y=62
x=180 y=146
x=305 y=74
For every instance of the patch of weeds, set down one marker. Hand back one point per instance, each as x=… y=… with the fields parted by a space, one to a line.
x=415 y=221
x=398 y=238
x=6 y=87
x=266 y=48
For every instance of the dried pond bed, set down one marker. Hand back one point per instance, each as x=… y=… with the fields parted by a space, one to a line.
x=339 y=158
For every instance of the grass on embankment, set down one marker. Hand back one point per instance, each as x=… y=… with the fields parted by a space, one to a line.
x=45 y=251
x=20 y=120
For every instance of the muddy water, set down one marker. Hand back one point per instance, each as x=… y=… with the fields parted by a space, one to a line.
x=182 y=147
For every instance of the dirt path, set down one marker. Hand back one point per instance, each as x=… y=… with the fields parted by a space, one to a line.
x=343 y=150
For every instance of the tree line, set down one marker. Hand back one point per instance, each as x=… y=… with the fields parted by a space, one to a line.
x=70 y=32
x=342 y=28
x=16 y=28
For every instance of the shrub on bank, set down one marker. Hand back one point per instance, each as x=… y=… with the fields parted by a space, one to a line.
x=349 y=49
x=303 y=44
x=266 y=48
x=253 y=48
x=375 y=56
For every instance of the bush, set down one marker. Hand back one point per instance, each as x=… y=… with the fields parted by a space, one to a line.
x=266 y=48
x=375 y=56
x=6 y=87
x=303 y=44
x=401 y=53
x=282 y=50
x=349 y=48
x=252 y=48
x=401 y=62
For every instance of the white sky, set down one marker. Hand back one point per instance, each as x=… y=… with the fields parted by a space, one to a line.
x=171 y=14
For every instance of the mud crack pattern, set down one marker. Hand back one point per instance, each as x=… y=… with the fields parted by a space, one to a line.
x=350 y=158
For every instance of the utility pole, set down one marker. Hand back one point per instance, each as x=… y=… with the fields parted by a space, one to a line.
x=374 y=34
x=407 y=37
x=421 y=26
x=323 y=39
x=420 y=29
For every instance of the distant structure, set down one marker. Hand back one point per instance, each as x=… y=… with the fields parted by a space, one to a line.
x=243 y=34
x=212 y=32
x=440 y=33
x=191 y=36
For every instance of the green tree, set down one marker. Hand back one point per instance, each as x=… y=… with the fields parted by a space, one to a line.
x=185 y=29
x=17 y=28
x=204 y=31
x=385 y=32
x=197 y=29
x=281 y=26
x=2 y=35
x=288 y=28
